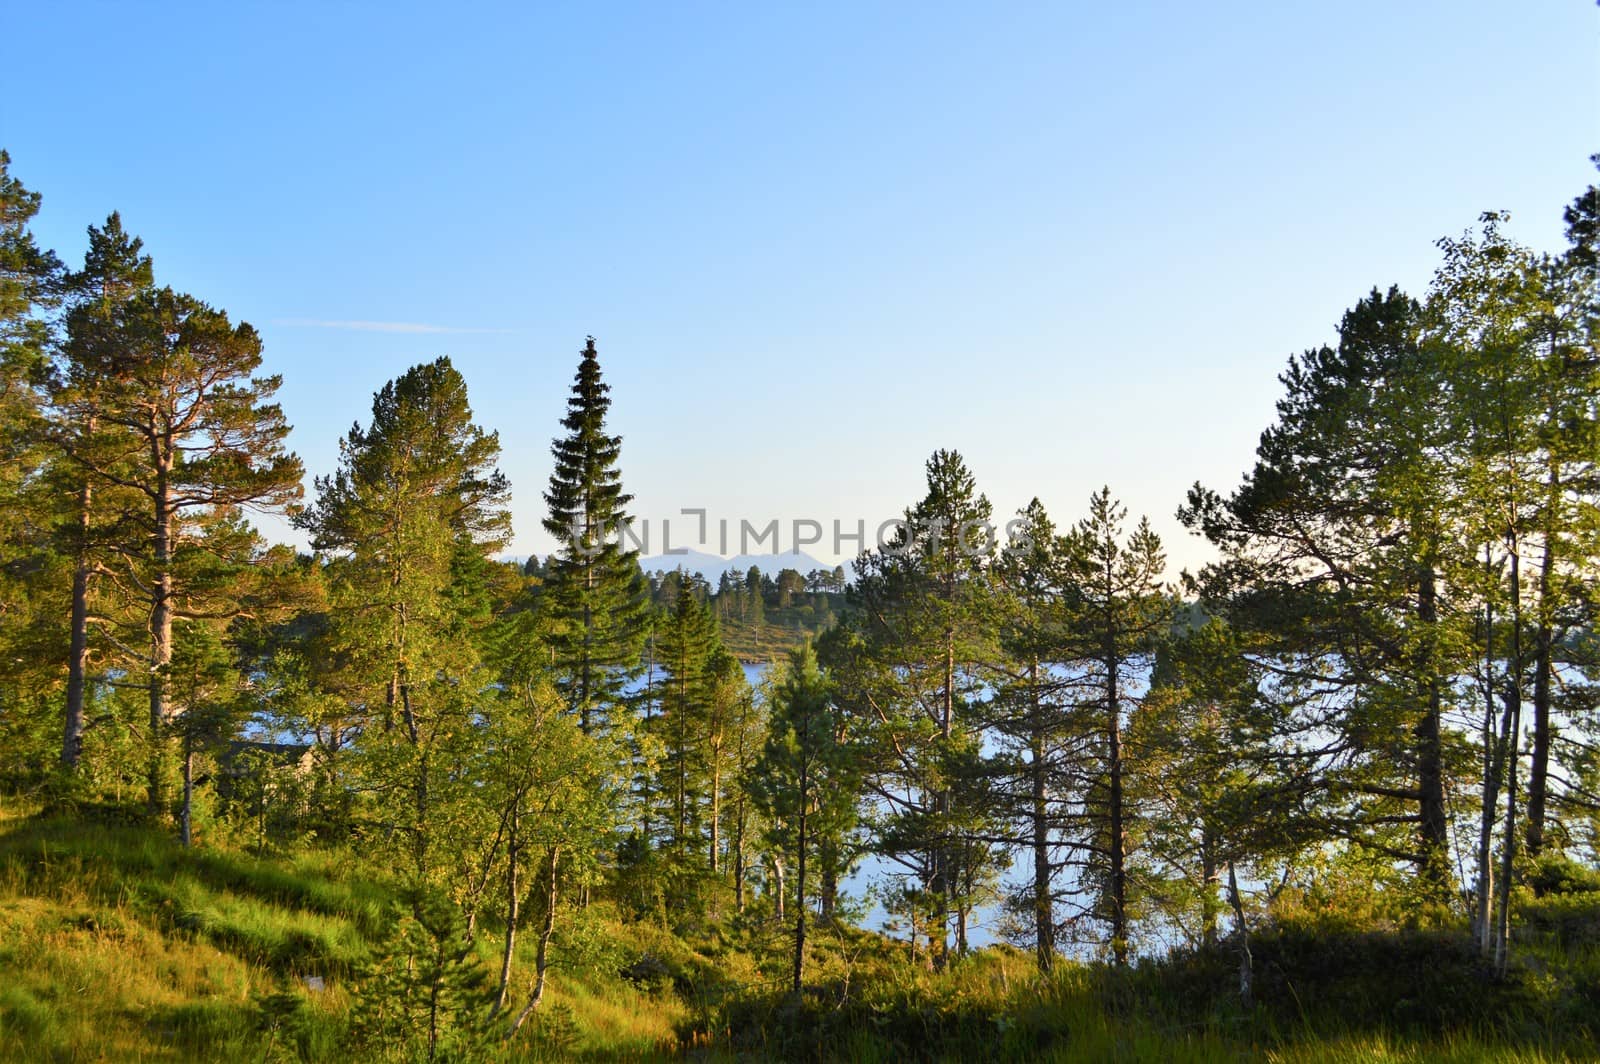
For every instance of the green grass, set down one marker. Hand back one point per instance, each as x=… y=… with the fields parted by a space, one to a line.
x=116 y=944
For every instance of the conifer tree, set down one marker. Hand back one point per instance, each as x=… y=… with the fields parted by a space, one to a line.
x=29 y=277
x=115 y=271
x=175 y=378
x=726 y=709
x=1120 y=613
x=1336 y=549
x=409 y=519
x=1030 y=715
x=805 y=781
x=1214 y=777
x=29 y=665
x=595 y=592
x=912 y=674
x=688 y=647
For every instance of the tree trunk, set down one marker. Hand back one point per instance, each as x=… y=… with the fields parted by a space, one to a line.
x=1430 y=748
x=1044 y=931
x=541 y=959
x=800 y=882
x=1119 y=885
x=1539 y=765
x=512 y=912
x=945 y=862
x=160 y=642
x=828 y=879
x=1489 y=802
x=1502 y=953
x=420 y=838
x=585 y=693
x=434 y=988
x=1208 y=892
x=78 y=641
x=1246 y=962
x=716 y=810
x=738 y=854
x=186 y=834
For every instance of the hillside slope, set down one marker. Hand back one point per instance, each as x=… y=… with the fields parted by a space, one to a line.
x=115 y=944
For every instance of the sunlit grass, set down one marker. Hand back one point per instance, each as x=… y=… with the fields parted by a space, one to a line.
x=116 y=944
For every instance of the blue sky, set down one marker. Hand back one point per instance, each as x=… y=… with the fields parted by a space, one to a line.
x=1076 y=242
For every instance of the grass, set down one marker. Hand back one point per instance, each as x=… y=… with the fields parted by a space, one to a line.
x=116 y=944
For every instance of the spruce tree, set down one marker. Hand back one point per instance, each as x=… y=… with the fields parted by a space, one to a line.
x=595 y=592
x=688 y=647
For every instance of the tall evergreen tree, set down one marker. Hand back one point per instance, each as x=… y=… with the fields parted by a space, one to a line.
x=115 y=272
x=1335 y=549
x=595 y=591
x=806 y=781
x=29 y=610
x=409 y=520
x=913 y=674
x=29 y=278
x=1121 y=612
x=177 y=378
x=1215 y=777
x=688 y=648
x=1030 y=713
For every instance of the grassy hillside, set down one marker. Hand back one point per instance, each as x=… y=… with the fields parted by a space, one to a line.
x=117 y=945
x=768 y=641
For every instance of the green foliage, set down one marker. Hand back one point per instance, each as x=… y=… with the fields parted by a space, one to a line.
x=806 y=784
x=595 y=593
x=425 y=989
x=910 y=660
x=422 y=817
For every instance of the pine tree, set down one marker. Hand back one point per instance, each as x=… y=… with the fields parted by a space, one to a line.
x=1030 y=716
x=1214 y=778
x=176 y=377
x=757 y=610
x=1336 y=549
x=29 y=562
x=596 y=593
x=912 y=665
x=409 y=520
x=99 y=454
x=1120 y=613
x=806 y=783
x=29 y=279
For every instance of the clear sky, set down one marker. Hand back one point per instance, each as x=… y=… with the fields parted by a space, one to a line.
x=1074 y=241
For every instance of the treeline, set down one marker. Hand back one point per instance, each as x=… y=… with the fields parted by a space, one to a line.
x=1382 y=694
x=760 y=615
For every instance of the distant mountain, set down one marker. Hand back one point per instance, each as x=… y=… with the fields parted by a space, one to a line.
x=712 y=566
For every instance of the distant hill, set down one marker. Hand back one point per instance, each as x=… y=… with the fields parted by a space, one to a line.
x=712 y=566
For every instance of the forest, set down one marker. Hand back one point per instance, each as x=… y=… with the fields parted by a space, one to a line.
x=396 y=796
